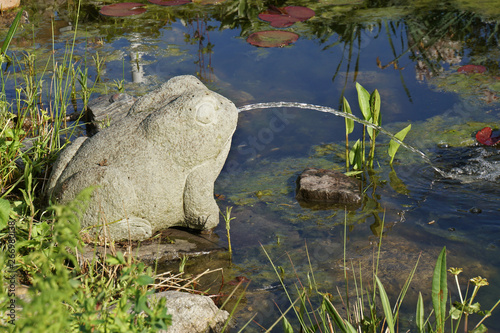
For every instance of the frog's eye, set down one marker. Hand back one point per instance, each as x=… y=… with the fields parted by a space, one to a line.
x=205 y=113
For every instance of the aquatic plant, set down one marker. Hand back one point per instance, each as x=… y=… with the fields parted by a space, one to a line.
x=169 y=2
x=227 y=218
x=282 y=17
x=472 y=69
x=369 y=105
x=123 y=9
x=485 y=137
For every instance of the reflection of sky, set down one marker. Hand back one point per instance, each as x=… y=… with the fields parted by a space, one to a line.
x=304 y=72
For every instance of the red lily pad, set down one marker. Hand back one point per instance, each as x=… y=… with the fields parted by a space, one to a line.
x=283 y=17
x=272 y=38
x=170 y=2
x=484 y=137
x=123 y=9
x=472 y=69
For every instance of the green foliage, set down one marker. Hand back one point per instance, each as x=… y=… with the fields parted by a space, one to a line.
x=393 y=145
x=386 y=305
x=364 y=315
x=64 y=294
x=440 y=291
x=65 y=297
x=10 y=33
x=369 y=105
x=349 y=127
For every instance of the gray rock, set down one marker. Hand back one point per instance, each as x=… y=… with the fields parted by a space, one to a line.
x=155 y=168
x=192 y=313
x=323 y=189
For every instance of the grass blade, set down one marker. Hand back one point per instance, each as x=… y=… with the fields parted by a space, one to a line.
x=386 y=305
x=440 y=291
x=420 y=313
x=11 y=32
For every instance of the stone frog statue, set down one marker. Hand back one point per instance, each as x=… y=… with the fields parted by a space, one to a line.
x=155 y=168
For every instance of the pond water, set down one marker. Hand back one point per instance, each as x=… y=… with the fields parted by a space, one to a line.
x=409 y=50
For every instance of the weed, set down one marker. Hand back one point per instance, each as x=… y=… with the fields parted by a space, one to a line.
x=227 y=218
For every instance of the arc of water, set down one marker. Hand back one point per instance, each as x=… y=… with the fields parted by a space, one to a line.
x=340 y=114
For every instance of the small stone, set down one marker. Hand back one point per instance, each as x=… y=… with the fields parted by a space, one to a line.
x=475 y=210
x=326 y=189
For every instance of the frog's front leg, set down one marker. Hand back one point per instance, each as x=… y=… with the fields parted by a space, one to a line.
x=200 y=209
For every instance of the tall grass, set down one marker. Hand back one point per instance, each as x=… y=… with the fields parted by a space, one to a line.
x=40 y=244
x=371 y=310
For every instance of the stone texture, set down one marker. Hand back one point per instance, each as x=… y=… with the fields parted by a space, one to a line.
x=192 y=313
x=106 y=110
x=155 y=168
x=9 y=4
x=323 y=189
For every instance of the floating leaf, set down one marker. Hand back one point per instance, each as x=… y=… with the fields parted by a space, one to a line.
x=472 y=69
x=484 y=137
x=170 y=2
x=286 y=16
x=123 y=9
x=272 y=38
x=208 y=2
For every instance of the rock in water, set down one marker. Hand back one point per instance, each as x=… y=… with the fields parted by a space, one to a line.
x=323 y=189
x=155 y=168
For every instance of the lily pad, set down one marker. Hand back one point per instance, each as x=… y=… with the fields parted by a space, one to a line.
x=272 y=38
x=484 y=137
x=169 y=2
x=472 y=69
x=123 y=9
x=283 y=17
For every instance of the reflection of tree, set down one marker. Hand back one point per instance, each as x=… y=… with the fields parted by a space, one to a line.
x=432 y=37
x=198 y=34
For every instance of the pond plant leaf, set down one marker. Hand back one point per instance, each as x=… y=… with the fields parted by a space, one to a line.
x=169 y=2
x=272 y=38
x=283 y=17
x=472 y=69
x=123 y=9
x=484 y=137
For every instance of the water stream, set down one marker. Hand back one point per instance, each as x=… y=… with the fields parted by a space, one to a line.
x=345 y=115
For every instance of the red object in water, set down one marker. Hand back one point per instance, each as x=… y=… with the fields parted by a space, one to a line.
x=123 y=9
x=484 y=137
x=472 y=69
x=170 y=2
